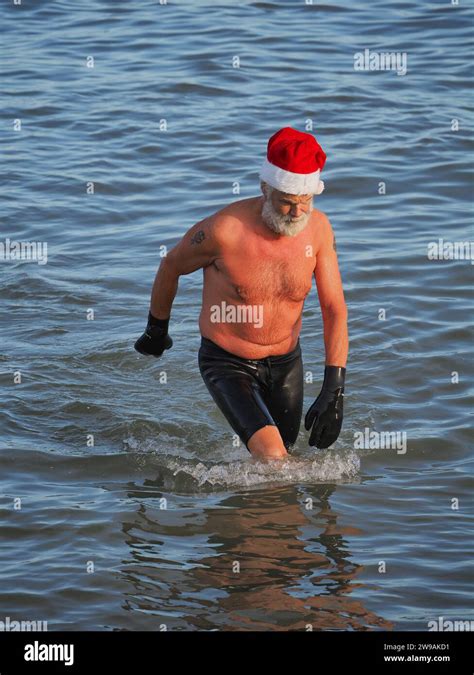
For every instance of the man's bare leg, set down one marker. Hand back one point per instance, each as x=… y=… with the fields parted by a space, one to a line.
x=267 y=443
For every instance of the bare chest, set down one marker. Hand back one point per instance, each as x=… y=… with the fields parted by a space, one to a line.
x=258 y=276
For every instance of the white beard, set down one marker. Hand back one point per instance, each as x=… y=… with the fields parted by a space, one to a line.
x=284 y=224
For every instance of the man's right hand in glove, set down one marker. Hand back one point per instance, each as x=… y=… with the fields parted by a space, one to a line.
x=155 y=339
x=324 y=417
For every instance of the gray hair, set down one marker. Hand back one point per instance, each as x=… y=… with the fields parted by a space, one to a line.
x=267 y=189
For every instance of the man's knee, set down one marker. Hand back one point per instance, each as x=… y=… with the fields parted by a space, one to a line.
x=267 y=443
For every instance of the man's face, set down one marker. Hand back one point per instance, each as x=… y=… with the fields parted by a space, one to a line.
x=293 y=206
x=285 y=213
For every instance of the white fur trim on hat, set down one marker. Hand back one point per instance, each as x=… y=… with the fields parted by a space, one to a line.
x=289 y=182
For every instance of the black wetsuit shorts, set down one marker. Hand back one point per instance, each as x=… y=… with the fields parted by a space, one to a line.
x=253 y=393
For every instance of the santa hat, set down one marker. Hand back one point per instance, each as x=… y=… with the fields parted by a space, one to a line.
x=293 y=164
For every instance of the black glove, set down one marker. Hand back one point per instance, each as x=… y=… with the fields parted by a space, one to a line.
x=155 y=339
x=325 y=415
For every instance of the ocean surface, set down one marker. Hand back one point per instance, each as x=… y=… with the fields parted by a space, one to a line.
x=125 y=504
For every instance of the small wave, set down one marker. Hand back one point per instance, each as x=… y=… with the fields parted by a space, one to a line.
x=327 y=467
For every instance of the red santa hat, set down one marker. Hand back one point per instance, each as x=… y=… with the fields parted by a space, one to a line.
x=294 y=162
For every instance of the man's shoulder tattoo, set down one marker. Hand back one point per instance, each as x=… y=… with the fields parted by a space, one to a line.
x=198 y=237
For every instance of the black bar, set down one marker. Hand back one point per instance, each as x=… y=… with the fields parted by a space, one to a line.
x=151 y=652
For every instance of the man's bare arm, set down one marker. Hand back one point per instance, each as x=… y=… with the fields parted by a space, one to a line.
x=198 y=248
x=331 y=298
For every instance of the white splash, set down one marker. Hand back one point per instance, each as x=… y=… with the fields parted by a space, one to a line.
x=324 y=468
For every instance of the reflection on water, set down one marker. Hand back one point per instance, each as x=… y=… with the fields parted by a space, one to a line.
x=257 y=560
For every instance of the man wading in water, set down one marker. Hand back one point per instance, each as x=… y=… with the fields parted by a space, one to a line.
x=258 y=257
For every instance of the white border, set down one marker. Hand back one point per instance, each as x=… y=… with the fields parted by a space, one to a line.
x=289 y=182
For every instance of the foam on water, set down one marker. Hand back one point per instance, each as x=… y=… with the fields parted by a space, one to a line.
x=328 y=467
x=187 y=474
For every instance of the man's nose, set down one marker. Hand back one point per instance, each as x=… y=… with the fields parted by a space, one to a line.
x=296 y=211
